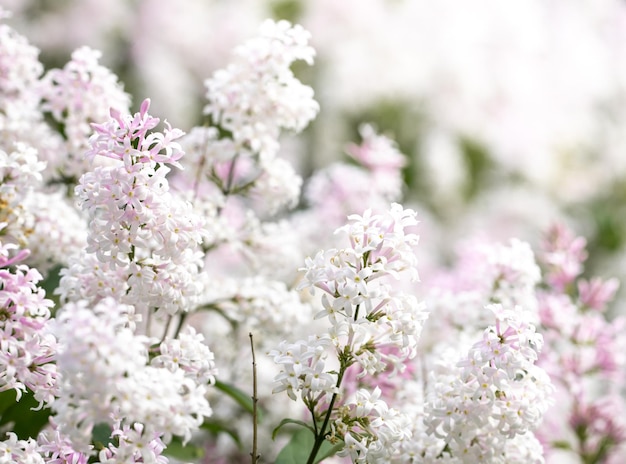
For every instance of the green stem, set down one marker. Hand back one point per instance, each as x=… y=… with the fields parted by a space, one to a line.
x=231 y=175
x=181 y=321
x=320 y=437
x=167 y=328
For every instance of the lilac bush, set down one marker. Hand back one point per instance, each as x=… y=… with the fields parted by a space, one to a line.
x=191 y=297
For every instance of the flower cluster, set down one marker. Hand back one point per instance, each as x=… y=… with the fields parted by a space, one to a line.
x=258 y=94
x=135 y=222
x=28 y=348
x=371 y=430
x=113 y=381
x=364 y=312
x=20 y=172
x=342 y=188
x=372 y=326
x=249 y=103
x=168 y=242
x=584 y=355
x=80 y=94
x=494 y=393
x=21 y=119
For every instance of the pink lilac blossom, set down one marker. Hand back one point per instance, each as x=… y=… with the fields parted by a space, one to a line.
x=135 y=221
x=81 y=93
x=563 y=254
x=27 y=348
x=58 y=449
x=585 y=354
x=380 y=156
x=341 y=189
x=485 y=273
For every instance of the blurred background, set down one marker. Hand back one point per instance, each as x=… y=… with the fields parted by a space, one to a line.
x=513 y=114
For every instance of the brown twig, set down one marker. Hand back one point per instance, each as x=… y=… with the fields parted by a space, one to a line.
x=255 y=456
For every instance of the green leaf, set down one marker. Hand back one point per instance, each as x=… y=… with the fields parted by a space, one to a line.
x=217 y=428
x=101 y=435
x=299 y=447
x=7 y=399
x=50 y=283
x=327 y=450
x=244 y=400
x=25 y=421
x=187 y=452
x=291 y=421
x=561 y=444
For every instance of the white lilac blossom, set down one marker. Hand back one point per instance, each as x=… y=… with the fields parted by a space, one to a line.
x=257 y=95
x=271 y=249
x=57 y=232
x=249 y=103
x=111 y=381
x=28 y=348
x=257 y=303
x=13 y=450
x=21 y=121
x=134 y=445
x=41 y=221
x=493 y=394
x=485 y=273
x=188 y=353
x=277 y=187
x=20 y=173
x=372 y=327
x=357 y=297
x=81 y=93
x=371 y=430
x=21 y=69
x=135 y=221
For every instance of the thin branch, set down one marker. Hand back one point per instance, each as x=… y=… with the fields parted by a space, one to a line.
x=179 y=327
x=255 y=456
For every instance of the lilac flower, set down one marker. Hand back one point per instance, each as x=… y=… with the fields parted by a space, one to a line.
x=112 y=381
x=14 y=450
x=136 y=223
x=80 y=94
x=257 y=95
x=499 y=394
x=58 y=449
x=563 y=253
x=28 y=348
x=370 y=324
